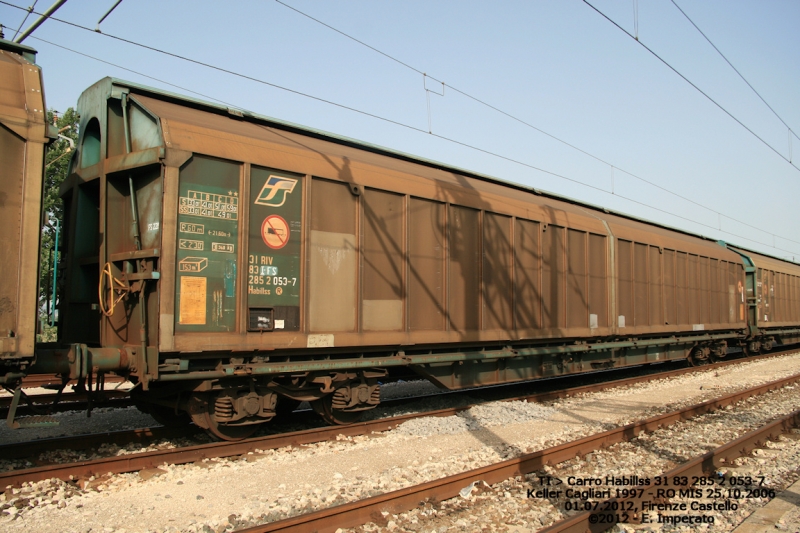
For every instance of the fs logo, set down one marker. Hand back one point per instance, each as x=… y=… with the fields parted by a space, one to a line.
x=274 y=192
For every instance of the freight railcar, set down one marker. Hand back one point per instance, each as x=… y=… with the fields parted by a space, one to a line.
x=24 y=133
x=232 y=265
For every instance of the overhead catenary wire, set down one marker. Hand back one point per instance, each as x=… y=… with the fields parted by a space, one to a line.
x=791 y=131
x=21 y=24
x=115 y=65
x=529 y=125
x=388 y=120
x=687 y=80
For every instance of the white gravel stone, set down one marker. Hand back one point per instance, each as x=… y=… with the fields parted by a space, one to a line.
x=230 y=493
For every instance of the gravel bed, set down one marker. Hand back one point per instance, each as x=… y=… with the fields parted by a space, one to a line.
x=73 y=423
x=647 y=456
x=221 y=495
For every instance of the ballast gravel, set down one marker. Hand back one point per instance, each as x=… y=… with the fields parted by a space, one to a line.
x=773 y=467
x=223 y=495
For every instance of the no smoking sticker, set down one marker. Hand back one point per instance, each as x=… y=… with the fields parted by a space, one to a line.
x=275 y=232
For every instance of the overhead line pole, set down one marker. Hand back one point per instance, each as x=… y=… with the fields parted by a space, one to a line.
x=41 y=19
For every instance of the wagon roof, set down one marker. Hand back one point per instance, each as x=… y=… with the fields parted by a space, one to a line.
x=26 y=51
x=242 y=114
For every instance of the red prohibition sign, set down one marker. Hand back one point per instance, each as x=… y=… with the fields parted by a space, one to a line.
x=275 y=232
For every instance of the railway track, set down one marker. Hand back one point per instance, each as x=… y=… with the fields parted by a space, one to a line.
x=200 y=452
x=38 y=404
x=211 y=490
x=68 y=402
x=120 y=399
x=704 y=466
x=45 y=380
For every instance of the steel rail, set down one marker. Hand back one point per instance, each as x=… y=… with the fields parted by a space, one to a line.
x=38 y=380
x=139 y=461
x=360 y=512
x=67 y=402
x=705 y=464
x=142 y=436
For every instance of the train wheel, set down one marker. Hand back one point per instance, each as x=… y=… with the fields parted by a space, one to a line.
x=202 y=411
x=699 y=356
x=323 y=408
x=219 y=431
x=753 y=348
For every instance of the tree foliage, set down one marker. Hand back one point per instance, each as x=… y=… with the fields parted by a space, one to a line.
x=57 y=161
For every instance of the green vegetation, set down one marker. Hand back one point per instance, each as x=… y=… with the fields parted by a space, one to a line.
x=57 y=161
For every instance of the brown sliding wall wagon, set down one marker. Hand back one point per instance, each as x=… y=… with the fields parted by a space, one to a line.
x=24 y=133
x=234 y=265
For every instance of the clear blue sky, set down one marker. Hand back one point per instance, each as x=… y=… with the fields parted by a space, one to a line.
x=557 y=65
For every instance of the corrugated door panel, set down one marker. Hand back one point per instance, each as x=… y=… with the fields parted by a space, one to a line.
x=682 y=287
x=656 y=281
x=527 y=275
x=382 y=304
x=731 y=293
x=598 y=281
x=727 y=297
x=425 y=265
x=497 y=289
x=795 y=299
x=766 y=314
x=737 y=279
x=769 y=287
x=553 y=277
x=332 y=257
x=625 y=283
x=640 y=285
x=775 y=301
x=12 y=163
x=759 y=294
x=670 y=310
x=464 y=239
x=704 y=290
x=722 y=280
x=784 y=297
x=713 y=316
x=208 y=218
x=776 y=297
x=577 y=293
x=766 y=297
x=693 y=275
x=274 y=249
